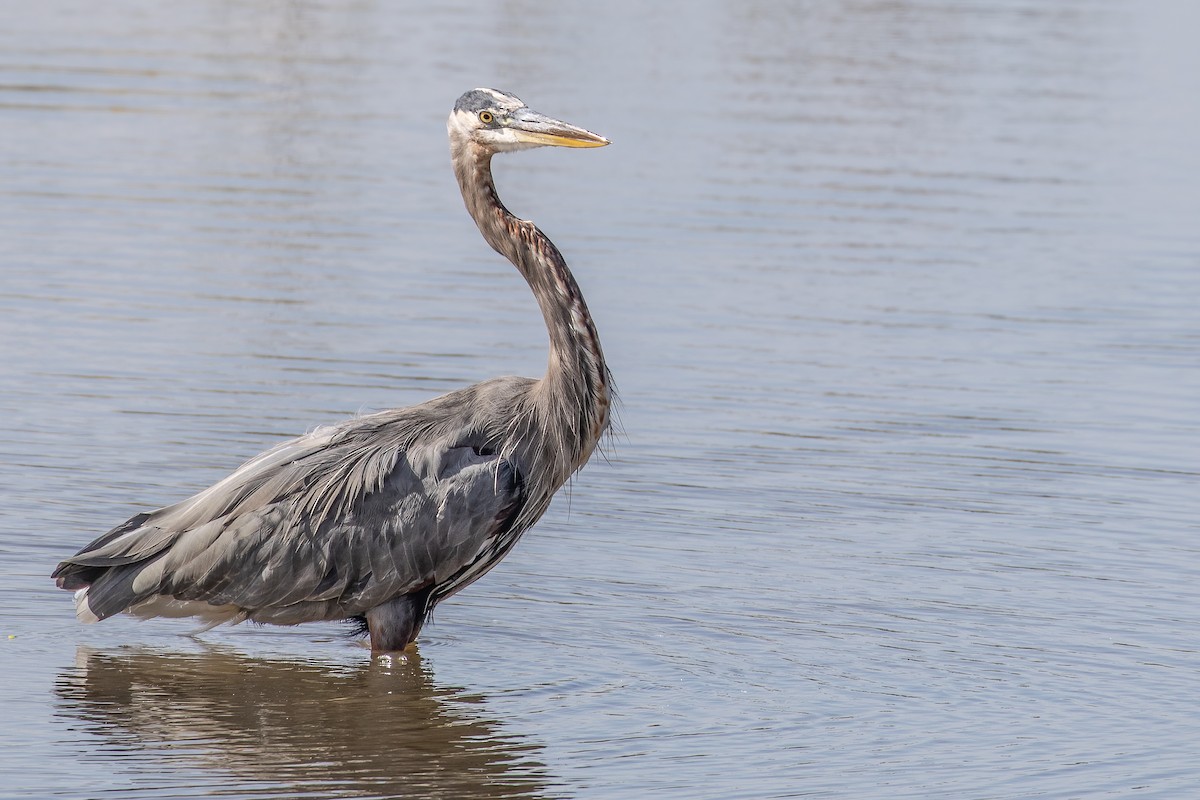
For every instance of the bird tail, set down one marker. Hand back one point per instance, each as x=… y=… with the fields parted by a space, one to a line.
x=103 y=574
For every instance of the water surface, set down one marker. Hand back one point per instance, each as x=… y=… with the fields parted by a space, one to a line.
x=900 y=298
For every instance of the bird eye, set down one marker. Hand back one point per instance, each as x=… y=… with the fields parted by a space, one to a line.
x=485 y=117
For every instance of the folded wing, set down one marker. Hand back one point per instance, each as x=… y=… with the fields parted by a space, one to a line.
x=326 y=526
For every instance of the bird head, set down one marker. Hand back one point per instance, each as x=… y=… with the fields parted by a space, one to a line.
x=498 y=122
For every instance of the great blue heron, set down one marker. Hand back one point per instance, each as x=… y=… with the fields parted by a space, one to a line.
x=381 y=517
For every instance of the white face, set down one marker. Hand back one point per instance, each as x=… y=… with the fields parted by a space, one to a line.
x=487 y=125
x=498 y=139
x=501 y=123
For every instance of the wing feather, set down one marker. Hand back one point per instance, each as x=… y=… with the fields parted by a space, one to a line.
x=325 y=526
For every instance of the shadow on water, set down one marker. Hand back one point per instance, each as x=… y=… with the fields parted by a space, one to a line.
x=294 y=728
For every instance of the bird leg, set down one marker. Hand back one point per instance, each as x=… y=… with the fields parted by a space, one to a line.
x=397 y=622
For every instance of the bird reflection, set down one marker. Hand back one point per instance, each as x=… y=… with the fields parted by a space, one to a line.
x=288 y=728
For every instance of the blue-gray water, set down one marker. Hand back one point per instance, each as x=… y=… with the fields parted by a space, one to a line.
x=901 y=299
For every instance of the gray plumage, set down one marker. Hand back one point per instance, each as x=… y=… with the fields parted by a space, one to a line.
x=382 y=516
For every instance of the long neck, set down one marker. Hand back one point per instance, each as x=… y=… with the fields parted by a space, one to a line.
x=575 y=391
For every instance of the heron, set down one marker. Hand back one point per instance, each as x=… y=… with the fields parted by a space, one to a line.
x=379 y=518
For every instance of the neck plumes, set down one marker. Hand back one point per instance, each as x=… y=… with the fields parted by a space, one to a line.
x=574 y=395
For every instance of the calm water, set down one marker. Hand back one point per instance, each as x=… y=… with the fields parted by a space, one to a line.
x=901 y=298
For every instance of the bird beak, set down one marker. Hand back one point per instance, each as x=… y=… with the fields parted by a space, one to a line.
x=533 y=128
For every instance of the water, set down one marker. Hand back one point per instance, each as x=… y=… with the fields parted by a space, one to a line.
x=900 y=298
